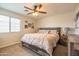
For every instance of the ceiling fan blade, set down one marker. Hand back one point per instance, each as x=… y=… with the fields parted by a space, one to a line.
x=35 y=7
x=42 y=12
x=29 y=13
x=28 y=8
x=25 y=10
x=40 y=6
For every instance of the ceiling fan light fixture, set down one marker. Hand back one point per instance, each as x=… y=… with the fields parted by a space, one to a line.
x=35 y=14
x=36 y=10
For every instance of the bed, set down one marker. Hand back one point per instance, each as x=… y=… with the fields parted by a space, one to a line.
x=42 y=43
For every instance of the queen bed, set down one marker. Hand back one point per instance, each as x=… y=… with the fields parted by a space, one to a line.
x=43 y=42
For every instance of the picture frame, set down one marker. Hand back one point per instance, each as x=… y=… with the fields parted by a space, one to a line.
x=26 y=26
x=26 y=21
x=29 y=24
x=32 y=25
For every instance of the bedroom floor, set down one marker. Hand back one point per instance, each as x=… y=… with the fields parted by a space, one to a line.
x=60 y=50
x=18 y=50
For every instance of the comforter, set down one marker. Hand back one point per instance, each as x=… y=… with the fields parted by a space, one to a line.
x=41 y=40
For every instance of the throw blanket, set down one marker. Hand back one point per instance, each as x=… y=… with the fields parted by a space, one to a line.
x=41 y=40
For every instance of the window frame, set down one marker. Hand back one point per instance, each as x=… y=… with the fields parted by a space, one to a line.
x=9 y=30
x=19 y=24
x=8 y=24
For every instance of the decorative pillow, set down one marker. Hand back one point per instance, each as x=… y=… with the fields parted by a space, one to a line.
x=43 y=31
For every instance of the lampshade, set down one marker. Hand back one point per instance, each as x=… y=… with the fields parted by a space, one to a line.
x=65 y=30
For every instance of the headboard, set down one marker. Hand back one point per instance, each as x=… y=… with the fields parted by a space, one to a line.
x=57 y=28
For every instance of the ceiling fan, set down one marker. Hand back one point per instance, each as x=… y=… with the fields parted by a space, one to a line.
x=35 y=10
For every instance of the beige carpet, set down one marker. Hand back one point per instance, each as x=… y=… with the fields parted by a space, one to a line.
x=18 y=50
x=61 y=50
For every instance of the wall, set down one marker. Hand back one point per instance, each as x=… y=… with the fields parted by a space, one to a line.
x=61 y=20
x=77 y=8
x=13 y=37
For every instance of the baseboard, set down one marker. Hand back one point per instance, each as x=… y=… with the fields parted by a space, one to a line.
x=6 y=45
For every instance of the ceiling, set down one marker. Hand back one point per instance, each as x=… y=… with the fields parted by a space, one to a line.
x=50 y=8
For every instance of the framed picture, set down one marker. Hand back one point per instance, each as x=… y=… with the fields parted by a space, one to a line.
x=26 y=26
x=32 y=25
x=26 y=21
x=29 y=24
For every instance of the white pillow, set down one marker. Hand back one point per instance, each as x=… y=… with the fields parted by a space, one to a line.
x=43 y=31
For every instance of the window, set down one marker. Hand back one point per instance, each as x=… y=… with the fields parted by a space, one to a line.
x=9 y=24
x=15 y=25
x=4 y=23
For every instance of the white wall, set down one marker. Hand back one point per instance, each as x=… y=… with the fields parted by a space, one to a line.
x=13 y=37
x=61 y=20
x=77 y=8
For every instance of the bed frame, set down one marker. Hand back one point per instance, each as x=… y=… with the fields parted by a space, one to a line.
x=38 y=50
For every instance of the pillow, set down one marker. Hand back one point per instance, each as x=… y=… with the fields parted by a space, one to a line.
x=53 y=32
x=43 y=31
